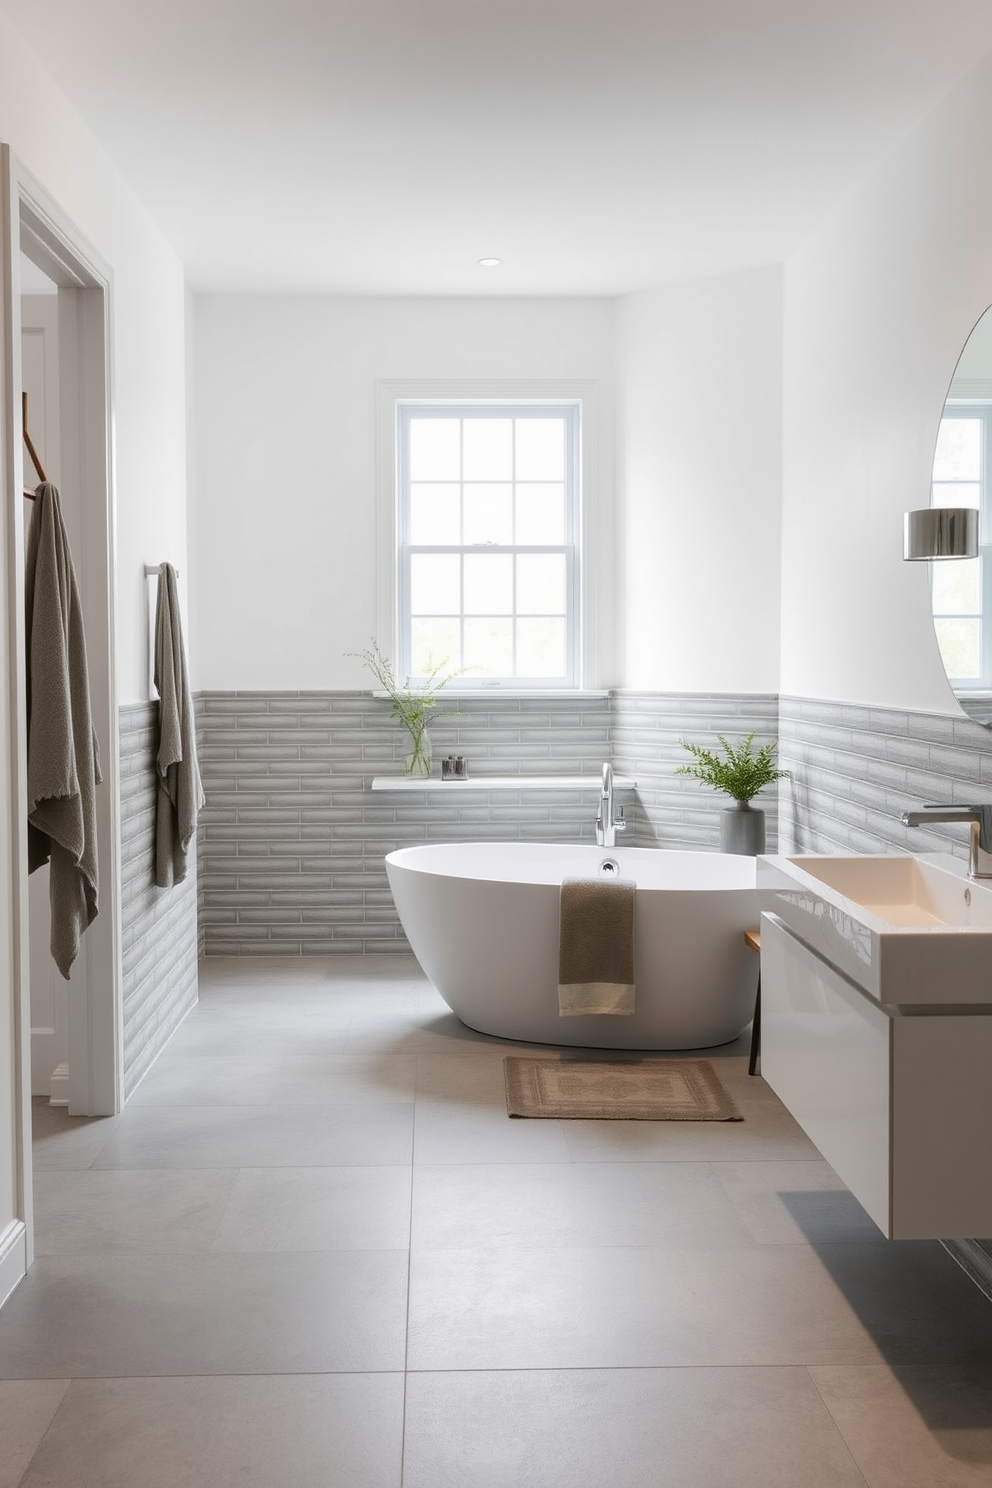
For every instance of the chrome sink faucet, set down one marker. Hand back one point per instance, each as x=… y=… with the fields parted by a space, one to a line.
x=609 y=820
x=980 y=818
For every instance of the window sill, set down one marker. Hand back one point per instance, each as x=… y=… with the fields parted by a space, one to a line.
x=499 y=782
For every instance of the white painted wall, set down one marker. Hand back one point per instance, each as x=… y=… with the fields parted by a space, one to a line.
x=148 y=332
x=283 y=536
x=699 y=397
x=877 y=309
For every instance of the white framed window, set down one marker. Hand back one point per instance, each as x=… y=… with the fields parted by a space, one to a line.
x=961 y=592
x=487 y=542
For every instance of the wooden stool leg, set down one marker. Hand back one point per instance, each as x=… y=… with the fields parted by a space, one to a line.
x=754 y=1061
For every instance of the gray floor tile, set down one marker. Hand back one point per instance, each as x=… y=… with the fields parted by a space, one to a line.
x=104 y=1211
x=638 y=1298
x=208 y=1080
x=447 y=1132
x=315 y=1431
x=558 y=1307
x=233 y=1314
x=672 y=1428
x=795 y=1203
x=26 y=1411
x=223 y=1037
x=63 y=1142
x=301 y=1209
x=917 y=1426
x=327 y=1079
x=471 y=1206
x=259 y=1136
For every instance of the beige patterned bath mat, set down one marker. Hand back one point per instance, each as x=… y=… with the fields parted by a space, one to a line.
x=616 y=1090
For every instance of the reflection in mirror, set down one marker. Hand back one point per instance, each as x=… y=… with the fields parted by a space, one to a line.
x=961 y=590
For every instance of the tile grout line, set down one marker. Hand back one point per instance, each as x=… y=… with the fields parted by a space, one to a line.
x=409 y=1275
x=826 y=1407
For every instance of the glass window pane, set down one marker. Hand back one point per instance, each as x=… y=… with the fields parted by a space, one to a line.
x=488 y=584
x=959 y=450
x=435 y=449
x=957 y=587
x=435 y=584
x=540 y=513
x=540 y=449
x=541 y=648
x=541 y=584
x=434 y=514
x=488 y=514
x=435 y=641
x=488 y=449
x=960 y=494
x=960 y=647
x=489 y=648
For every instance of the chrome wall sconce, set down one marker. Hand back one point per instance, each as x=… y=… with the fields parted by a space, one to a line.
x=940 y=532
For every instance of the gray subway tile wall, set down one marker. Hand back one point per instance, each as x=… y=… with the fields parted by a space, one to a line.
x=855 y=770
x=647 y=731
x=292 y=839
x=158 y=926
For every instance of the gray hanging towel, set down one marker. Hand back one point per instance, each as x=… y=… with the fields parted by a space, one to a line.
x=180 y=794
x=63 y=757
x=596 y=947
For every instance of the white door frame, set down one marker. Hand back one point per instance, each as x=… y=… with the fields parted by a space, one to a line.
x=32 y=221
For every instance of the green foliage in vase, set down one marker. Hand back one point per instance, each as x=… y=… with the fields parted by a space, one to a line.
x=740 y=772
x=413 y=707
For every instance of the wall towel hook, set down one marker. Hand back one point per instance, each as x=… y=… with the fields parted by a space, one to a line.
x=35 y=461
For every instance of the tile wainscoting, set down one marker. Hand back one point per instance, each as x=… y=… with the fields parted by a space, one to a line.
x=158 y=926
x=647 y=730
x=854 y=771
x=292 y=839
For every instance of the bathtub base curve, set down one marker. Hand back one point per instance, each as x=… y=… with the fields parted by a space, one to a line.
x=482 y=920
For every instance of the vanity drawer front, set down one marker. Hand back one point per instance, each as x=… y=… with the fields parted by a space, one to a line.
x=942 y=1127
x=825 y=1053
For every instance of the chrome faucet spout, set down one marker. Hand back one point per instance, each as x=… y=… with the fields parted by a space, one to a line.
x=980 y=820
x=609 y=819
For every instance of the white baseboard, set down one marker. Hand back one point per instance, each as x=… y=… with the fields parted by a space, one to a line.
x=59 y=1086
x=975 y=1259
x=13 y=1257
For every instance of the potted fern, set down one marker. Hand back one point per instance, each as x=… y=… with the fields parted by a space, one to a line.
x=740 y=773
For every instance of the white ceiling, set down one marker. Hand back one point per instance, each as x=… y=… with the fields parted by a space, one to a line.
x=597 y=146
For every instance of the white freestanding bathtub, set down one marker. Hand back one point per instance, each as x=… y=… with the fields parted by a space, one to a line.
x=482 y=919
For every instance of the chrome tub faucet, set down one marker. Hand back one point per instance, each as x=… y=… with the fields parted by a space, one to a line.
x=980 y=819
x=609 y=820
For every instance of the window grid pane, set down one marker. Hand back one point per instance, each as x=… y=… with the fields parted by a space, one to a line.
x=960 y=605
x=509 y=613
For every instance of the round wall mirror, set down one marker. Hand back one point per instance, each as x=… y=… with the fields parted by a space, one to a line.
x=961 y=589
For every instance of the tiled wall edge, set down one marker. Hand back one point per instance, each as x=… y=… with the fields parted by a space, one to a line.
x=158 y=926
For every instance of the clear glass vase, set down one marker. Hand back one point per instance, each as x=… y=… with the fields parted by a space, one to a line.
x=418 y=761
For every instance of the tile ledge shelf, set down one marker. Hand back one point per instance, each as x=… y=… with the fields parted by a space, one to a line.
x=498 y=782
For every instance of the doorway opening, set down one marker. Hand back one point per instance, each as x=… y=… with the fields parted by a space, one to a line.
x=57 y=294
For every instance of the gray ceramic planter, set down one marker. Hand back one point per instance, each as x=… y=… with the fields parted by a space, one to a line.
x=742 y=829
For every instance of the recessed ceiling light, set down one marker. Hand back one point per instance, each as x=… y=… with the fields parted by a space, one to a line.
x=490 y=263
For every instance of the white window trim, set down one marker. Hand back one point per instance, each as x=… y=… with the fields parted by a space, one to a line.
x=595 y=525
x=974 y=399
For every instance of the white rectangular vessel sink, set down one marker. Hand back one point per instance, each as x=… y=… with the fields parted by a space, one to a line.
x=910 y=931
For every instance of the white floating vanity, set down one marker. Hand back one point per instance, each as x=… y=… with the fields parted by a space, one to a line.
x=876 y=1030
